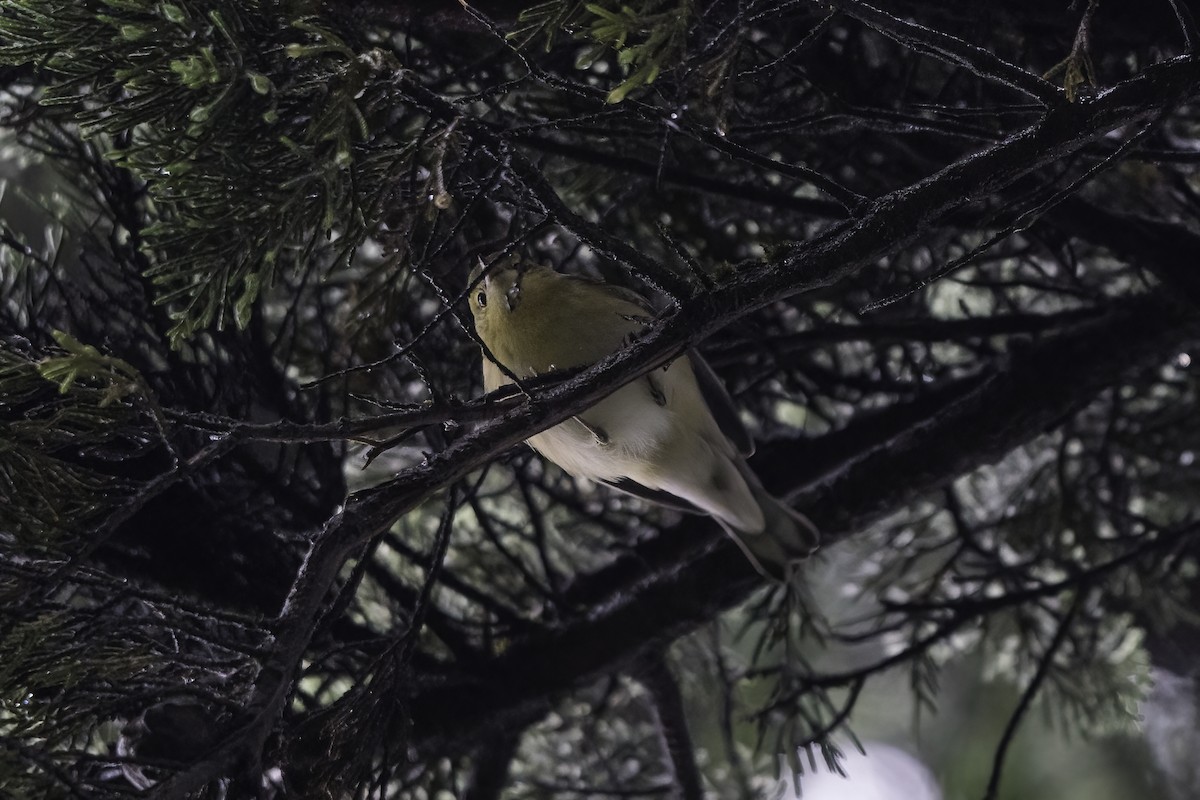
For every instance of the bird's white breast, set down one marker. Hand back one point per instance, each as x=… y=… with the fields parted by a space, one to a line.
x=618 y=437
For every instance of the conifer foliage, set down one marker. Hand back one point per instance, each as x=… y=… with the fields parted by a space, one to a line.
x=261 y=535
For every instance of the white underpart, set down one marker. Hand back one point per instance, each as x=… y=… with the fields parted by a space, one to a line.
x=616 y=444
x=632 y=438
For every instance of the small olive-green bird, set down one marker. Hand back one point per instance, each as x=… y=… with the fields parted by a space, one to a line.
x=671 y=436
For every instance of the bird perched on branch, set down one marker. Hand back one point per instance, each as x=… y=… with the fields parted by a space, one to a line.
x=671 y=436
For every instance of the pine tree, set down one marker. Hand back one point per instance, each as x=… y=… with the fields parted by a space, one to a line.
x=262 y=535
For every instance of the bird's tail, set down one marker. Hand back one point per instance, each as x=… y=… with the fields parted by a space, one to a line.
x=787 y=537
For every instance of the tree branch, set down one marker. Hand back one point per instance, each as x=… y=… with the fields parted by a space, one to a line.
x=492 y=761
x=671 y=598
x=689 y=574
x=656 y=676
x=954 y=51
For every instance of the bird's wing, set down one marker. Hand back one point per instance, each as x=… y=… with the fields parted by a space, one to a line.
x=628 y=295
x=657 y=496
x=714 y=393
x=721 y=405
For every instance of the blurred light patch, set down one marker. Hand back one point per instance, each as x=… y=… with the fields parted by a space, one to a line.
x=1169 y=719
x=884 y=773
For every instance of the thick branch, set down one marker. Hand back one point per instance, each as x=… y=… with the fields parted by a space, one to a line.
x=490 y=773
x=1170 y=251
x=656 y=676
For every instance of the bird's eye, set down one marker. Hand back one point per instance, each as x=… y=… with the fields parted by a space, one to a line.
x=481 y=298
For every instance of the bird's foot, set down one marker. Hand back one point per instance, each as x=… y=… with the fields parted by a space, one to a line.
x=600 y=435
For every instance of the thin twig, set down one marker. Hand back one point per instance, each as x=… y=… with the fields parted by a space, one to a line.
x=1031 y=691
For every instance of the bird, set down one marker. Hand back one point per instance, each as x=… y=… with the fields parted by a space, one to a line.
x=672 y=436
